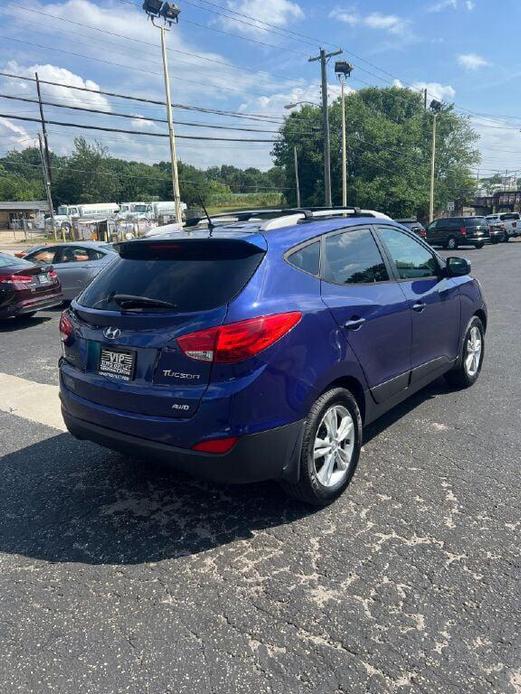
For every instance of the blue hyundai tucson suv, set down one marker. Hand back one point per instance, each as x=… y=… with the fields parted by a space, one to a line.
x=259 y=350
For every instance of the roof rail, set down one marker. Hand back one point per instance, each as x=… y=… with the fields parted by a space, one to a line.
x=299 y=216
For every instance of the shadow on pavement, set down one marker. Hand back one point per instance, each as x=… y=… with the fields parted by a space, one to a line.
x=9 y=325
x=64 y=500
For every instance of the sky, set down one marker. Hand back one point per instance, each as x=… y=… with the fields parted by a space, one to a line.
x=250 y=57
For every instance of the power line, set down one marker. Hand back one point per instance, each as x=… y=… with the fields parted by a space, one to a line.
x=130 y=132
x=155 y=102
x=139 y=117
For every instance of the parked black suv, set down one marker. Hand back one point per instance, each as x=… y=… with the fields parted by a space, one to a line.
x=451 y=232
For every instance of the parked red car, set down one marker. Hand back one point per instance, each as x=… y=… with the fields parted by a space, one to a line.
x=26 y=287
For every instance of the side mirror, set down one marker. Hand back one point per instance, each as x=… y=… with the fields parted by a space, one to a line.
x=457 y=267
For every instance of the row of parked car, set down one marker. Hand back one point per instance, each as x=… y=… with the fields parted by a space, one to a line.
x=48 y=275
x=45 y=276
x=451 y=232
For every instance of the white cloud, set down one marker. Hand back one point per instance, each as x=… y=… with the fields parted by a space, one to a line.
x=435 y=90
x=54 y=73
x=375 y=20
x=451 y=5
x=472 y=61
x=274 y=104
x=275 y=12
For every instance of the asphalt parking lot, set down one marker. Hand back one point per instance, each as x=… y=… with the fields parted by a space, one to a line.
x=117 y=576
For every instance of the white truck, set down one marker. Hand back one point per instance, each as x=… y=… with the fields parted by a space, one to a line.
x=66 y=214
x=504 y=226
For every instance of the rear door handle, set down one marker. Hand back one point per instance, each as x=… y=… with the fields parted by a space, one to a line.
x=418 y=306
x=354 y=324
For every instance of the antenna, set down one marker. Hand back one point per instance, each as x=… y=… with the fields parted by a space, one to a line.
x=211 y=225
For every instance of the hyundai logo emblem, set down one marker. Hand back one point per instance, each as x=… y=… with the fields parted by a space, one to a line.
x=112 y=333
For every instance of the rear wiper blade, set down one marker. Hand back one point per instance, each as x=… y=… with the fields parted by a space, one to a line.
x=129 y=301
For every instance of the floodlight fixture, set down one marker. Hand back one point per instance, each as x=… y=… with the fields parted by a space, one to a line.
x=436 y=106
x=153 y=7
x=170 y=12
x=342 y=67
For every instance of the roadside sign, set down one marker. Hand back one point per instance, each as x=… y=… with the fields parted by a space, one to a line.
x=451 y=207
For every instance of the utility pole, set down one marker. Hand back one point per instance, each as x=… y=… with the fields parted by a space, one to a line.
x=297 y=181
x=436 y=108
x=168 y=12
x=47 y=184
x=343 y=70
x=44 y=129
x=433 y=164
x=323 y=57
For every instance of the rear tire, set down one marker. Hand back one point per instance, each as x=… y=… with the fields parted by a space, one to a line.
x=452 y=243
x=478 y=246
x=507 y=238
x=467 y=370
x=330 y=448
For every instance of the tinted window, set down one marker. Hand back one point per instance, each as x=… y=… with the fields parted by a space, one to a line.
x=352 y=258
x=307 y=258
x=193 y=275
x=43 y=255
x=411 y=258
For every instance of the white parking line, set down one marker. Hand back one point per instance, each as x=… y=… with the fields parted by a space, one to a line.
x=37 y=402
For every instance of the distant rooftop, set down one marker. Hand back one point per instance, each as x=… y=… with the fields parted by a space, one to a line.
x=24 y=205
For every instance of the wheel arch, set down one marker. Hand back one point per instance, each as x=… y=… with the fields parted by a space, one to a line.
x=355 y=387
x=482 y=317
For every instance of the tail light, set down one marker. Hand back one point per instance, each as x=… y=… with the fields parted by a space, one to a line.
x=216 y=446
x=66 y=329
x=235 y=342
x=53 y=275
x=423 y=233
x=463 y=231
x=14 y=280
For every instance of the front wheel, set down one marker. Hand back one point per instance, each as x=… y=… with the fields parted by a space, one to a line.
x=507 y=238
x=330 y=448
x=468 y=368
x=478 y=246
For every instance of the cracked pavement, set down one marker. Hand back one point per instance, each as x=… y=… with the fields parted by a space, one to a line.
x=119 y=576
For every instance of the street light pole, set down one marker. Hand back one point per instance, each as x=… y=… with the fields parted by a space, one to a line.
x=168 y=13
x=297 y=182
x=343 y=70
x=323 y=57
x=171 y=131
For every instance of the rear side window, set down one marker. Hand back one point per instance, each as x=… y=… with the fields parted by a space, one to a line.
x=353 y=258
x=193 y=275
x=44 y=255
x=307 y=259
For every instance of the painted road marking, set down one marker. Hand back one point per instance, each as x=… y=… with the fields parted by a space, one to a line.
x=37 y=402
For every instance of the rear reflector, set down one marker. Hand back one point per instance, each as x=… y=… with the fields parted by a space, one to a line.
x=216 y=445
x=235 y=342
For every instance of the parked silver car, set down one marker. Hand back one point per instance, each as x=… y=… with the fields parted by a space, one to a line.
x=76 y=262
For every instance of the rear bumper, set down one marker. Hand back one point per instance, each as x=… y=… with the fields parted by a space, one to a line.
x=272 y=454
x=28 y=306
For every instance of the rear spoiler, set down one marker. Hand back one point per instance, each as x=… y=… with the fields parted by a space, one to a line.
x=187 y=247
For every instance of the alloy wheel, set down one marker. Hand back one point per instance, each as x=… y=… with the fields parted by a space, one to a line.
x=473 y=351
x=334 y=446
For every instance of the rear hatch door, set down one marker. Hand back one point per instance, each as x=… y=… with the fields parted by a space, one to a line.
x=124 y=353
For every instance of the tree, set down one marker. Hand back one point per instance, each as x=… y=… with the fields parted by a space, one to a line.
x=86 y=175
x=389 y=150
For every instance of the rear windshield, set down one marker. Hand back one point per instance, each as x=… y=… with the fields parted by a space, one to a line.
x=192 y=275
x=13 y=261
